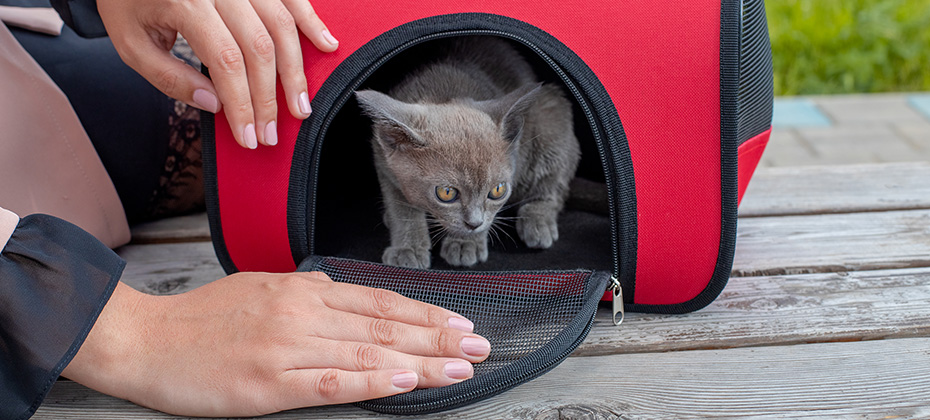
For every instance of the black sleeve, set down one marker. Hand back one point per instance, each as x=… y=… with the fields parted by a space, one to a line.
x=55 y=278
x=82 y=16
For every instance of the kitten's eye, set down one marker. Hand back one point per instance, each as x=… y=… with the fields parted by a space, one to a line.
x=447 y=194
x=498 y=192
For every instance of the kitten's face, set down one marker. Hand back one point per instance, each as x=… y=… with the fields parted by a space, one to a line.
x=462 y=174
x=454 y=160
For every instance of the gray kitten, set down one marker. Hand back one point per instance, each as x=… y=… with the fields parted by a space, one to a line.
x=459 y=138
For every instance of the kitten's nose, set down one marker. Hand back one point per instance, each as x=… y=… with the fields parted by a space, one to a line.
x=472 y=224
x=473 y=219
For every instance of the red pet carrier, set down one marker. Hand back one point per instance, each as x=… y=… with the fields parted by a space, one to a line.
x=673 y=104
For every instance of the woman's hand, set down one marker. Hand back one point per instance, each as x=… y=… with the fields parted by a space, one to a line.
x=243 y=43
x=256 y=343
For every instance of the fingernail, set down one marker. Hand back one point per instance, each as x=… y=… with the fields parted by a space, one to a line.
x=475 y=346
x=330 y=38
x=458 y=370
x=249 y=137
x=271 y=134
x=405 y=380
x=303 y=102
x=461 y=324
x=206 y=100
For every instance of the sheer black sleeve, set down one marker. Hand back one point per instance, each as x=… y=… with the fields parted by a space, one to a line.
x=81 y=16
x=55 y=279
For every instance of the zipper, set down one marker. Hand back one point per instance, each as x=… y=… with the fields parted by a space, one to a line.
x=617 y=302
x=582 y=103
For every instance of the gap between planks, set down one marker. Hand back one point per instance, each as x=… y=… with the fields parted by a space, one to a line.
x=876 y=379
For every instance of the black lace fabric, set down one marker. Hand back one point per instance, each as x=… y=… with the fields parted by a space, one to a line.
x=180 y=184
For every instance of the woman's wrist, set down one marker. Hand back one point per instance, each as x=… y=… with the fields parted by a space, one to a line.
x=108 y=359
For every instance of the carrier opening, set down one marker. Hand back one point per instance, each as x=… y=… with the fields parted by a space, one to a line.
x=349 y=203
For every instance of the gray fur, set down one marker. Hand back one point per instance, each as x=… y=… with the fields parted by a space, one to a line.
x=471 y=120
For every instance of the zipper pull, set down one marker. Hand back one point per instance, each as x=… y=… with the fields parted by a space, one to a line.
x=617 y=299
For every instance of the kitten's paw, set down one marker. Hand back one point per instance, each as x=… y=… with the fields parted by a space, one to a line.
x=401 y=256
x=465 y=251
x=537 y=227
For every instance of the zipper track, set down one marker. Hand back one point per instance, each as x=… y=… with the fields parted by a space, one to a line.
x=605 y=152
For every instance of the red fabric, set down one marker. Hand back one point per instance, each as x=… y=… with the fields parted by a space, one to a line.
x=659 y=61
x=749 y=154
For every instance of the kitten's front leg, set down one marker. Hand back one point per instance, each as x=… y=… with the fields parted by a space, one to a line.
x=465 y=251
x=410 y=241
x=537 y=223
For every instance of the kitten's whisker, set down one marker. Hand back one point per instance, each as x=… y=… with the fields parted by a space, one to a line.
x=497 y=229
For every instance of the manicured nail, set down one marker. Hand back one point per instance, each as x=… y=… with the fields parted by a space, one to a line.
x=461 y=324
x=206 y=101
x=458 y=370
x=271 y=134
x=249 y=136
x=303 y=102
x=405 y=380
x=476 y=346
x=330 y=38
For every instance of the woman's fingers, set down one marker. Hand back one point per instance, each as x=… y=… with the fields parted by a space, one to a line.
x=172 y=76
x=219 y=50
x=311 y=25
x=385 y=304
x=402 y=337
x=303 y=388
x=358 y=357
x=281 y=26
x=246 y=45
x=258 y=51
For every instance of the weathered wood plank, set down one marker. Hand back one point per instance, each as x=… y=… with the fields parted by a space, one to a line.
x=189 y=228
x=765 y=246
x=833 y=242
x=166 y=269
x=780 y=310
x=751 y=311
x=873 y=379
x=837 y=189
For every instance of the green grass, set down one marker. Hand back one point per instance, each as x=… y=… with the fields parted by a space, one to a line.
x=847 y=46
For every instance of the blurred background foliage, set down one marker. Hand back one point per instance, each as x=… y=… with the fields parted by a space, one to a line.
x=847 y=46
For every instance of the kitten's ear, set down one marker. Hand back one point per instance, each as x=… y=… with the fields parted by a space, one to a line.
x=389 y=116
x=510 y=109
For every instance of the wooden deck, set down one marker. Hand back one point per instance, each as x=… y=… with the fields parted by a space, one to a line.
x=827 y=315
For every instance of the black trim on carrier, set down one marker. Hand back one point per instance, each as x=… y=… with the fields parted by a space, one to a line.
x=211 y=187
x=584 y=86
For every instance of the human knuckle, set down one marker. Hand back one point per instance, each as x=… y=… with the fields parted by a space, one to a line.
x=369 y=357
x=312 y=15
x=269 y=102
x=384 y=332
x=436 y=317
x=292 y=280
x=329 y=385
x=167 y=80
x=385 y=301
x=293 y=75
x=230 y=58
x=284 y=18
x=263 y=46
x=441 y=343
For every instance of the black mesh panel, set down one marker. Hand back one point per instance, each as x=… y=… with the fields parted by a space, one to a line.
x=754 y=107
x=532 y=319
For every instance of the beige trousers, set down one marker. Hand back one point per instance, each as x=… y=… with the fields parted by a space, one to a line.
x=47 y=162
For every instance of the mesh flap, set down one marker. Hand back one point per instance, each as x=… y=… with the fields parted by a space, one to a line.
x=533 y=320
